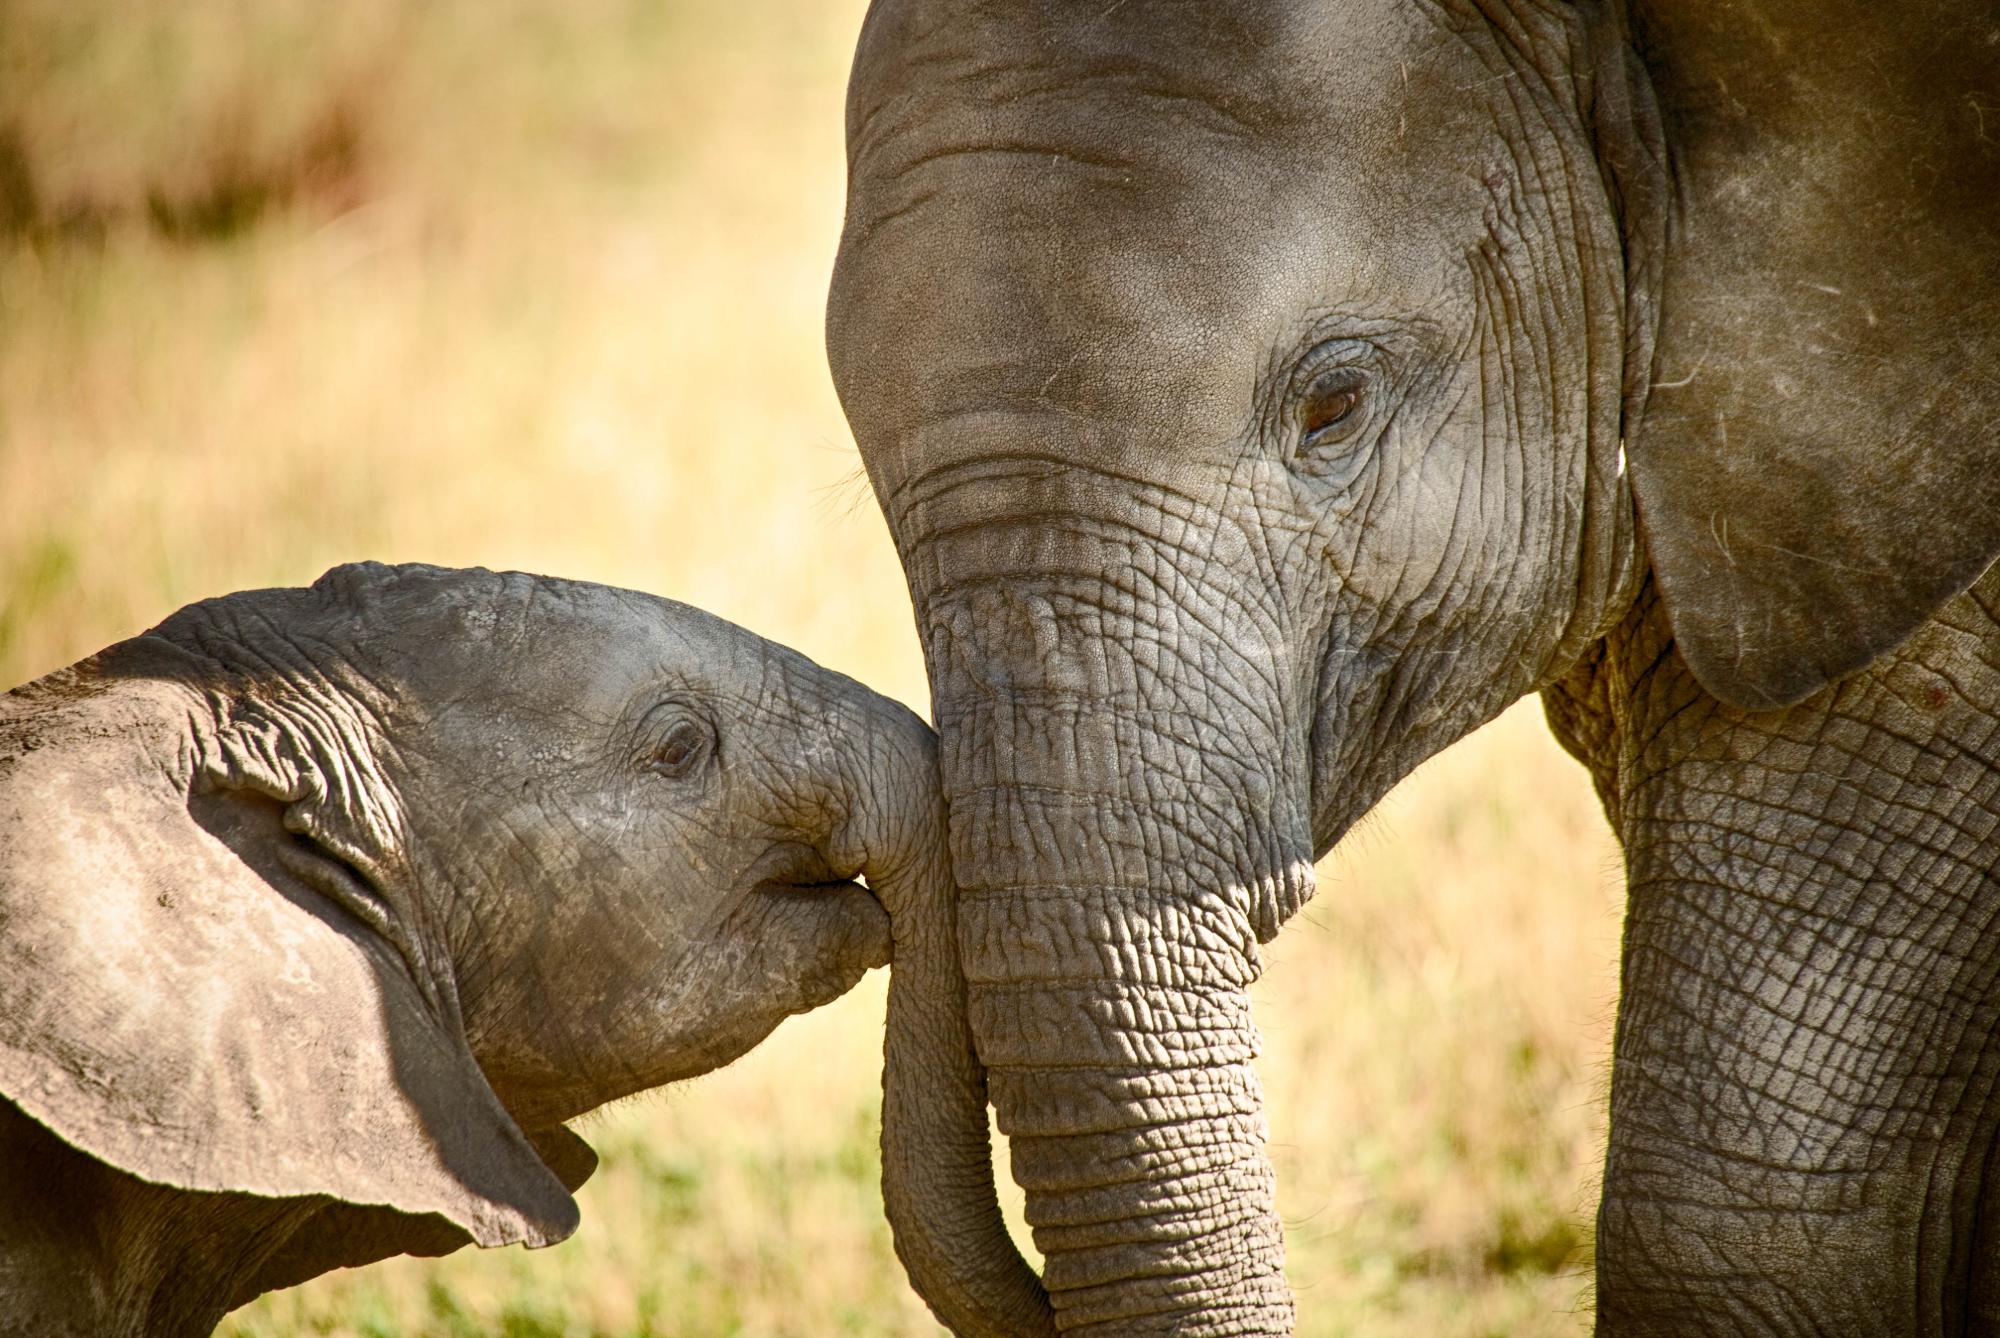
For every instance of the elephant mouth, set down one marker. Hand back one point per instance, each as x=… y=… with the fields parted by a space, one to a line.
x=800 y=870
x=785 y=887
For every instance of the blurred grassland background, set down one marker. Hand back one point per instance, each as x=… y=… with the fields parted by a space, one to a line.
x=285 y=283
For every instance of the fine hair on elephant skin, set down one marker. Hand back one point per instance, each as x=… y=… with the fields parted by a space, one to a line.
x=323 y=909
x=1263 y=395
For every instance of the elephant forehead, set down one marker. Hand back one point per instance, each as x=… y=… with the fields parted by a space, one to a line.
x=552 y=643
x=1250 y=66
x=1123 y=229
x=1248 y=102
x=1023 y=281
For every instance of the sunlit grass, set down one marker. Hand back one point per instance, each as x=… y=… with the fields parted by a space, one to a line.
x=541 y=286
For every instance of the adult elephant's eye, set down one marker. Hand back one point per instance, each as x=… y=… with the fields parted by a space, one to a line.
x=1330 y=408
x=681 y=748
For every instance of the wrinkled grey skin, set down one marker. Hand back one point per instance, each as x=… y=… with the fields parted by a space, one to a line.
x=1263 y=395
x=324 y=908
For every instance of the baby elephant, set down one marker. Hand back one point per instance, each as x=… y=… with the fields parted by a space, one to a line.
x=322 y=909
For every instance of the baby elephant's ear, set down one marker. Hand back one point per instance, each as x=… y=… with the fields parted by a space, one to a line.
x=178 y=1005
x=351 y=1235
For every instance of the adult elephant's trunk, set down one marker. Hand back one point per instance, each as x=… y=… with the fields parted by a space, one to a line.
x=1106 y=851
x=937 y=1160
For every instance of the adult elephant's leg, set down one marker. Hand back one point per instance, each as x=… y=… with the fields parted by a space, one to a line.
x=1806 y=1086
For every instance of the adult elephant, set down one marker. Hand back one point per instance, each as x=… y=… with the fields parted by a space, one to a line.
x=1251 y=389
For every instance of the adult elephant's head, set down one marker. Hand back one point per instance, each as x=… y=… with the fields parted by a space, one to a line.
x=1247 y=388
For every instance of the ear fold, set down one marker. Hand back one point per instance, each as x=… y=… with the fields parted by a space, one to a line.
x=176 y=1003
x=1818 y=463
x=347 y=1235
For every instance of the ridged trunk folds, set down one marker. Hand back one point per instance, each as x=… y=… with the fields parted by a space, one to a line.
x=1106 y=935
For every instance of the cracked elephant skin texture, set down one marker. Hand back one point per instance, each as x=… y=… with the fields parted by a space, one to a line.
x=325 y=908
x=1262 y=396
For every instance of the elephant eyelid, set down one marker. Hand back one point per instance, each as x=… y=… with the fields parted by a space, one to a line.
x=1329 y=399
x=1332 y=406
x=677 y=742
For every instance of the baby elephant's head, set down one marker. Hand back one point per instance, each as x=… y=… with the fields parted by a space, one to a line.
x=356 y=890
x=628 y=829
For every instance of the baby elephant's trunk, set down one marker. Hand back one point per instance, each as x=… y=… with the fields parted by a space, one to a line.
x=937 y=1168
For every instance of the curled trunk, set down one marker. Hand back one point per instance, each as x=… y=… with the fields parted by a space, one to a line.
x=937 y=1164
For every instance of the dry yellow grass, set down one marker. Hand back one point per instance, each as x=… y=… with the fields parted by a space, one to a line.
x=540 y=286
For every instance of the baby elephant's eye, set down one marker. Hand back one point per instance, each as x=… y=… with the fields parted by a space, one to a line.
x=682 y=749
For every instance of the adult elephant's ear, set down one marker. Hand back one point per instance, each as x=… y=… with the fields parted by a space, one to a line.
x=1817 y=463
x=178 y=1001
